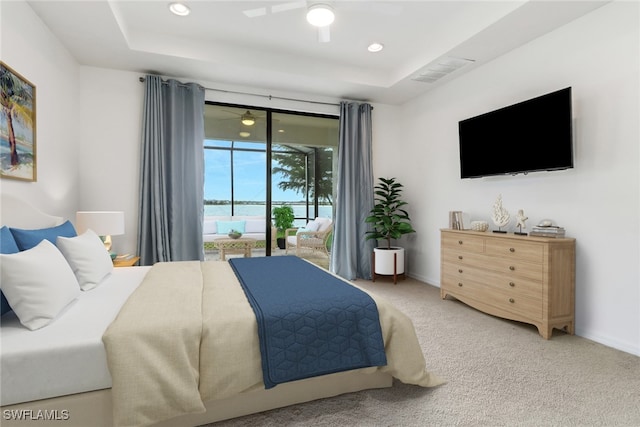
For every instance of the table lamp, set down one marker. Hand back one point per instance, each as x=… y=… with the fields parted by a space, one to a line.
x=104 y=223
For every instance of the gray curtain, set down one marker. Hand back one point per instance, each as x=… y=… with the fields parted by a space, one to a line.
x=350 y=253
x=172 y=172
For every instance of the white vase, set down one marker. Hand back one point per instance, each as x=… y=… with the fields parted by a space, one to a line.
x=385 y=262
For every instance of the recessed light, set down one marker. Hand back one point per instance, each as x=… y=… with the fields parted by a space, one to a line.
x=375 y=47
x=245 y=134
x=280 y=130
x=179 y=9
x=320 y=15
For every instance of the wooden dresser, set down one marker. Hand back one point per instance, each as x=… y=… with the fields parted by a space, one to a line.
x=523 y=278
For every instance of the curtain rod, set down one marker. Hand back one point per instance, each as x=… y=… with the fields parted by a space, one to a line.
x=270 y=97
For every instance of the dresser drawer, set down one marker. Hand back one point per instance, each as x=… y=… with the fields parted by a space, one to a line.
x=463 y=271
x=513 y=249
x=515 y=303
x=495 y=280
x=507 y=300
x=462 y=242
x=460 y=257
x=514 y=268
x=513 y=285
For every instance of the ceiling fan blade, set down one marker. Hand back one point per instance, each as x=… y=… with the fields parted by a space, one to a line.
x=254 y=13
x=277 y=8
x=283 y=7
x=324 y=34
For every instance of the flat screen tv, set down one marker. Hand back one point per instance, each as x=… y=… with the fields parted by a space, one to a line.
x=533 y=135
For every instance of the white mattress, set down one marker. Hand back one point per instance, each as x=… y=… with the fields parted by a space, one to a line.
x=66 y=356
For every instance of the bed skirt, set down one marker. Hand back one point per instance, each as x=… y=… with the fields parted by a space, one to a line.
x=94 y=408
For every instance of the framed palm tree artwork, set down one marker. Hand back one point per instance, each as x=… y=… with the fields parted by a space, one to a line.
x=17 y=126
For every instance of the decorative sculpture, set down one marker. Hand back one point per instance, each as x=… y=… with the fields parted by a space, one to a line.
x=520 y=222
x=500 y=215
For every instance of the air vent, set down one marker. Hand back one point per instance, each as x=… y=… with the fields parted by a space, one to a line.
x=441 y=68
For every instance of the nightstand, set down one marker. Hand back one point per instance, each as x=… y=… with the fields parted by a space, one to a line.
x=126 y=262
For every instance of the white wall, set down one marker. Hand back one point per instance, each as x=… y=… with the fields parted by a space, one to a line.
x=31 y=50
x=110 y=149
x=597 y=201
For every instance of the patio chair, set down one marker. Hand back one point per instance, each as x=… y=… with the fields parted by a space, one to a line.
x=310 y=239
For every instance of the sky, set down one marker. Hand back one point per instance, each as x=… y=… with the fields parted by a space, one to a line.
x=249 y=177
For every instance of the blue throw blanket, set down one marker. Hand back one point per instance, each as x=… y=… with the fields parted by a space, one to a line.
x=310 y=323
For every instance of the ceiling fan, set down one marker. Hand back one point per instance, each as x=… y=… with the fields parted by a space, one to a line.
x=246 y=118
x=319 y=14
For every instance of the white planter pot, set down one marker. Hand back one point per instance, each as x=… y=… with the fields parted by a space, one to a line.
x=384 y=260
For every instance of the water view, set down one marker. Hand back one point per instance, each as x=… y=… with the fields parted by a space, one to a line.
x=299 y=210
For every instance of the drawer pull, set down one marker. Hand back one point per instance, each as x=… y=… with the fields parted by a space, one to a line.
x=459 y=270
x=459 y=256
x=459 y=284
x=512 y=268
x=459 y=242
x=512 y=284
x=511 y=300
x=512 y=249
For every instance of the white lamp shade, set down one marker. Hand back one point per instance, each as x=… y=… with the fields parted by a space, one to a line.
x=103 y=223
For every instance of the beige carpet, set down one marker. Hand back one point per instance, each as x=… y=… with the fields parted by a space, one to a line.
x=499 y=373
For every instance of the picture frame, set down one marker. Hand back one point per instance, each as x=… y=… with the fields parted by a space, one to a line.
x=17 y=126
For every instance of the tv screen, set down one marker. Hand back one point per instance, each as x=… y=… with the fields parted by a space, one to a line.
x=534 y=135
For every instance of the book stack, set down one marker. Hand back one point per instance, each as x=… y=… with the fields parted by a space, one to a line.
x=549 y=231
x=455 y=220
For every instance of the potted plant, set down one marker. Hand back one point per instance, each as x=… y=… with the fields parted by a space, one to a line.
x=390 y=221
x=283 y=220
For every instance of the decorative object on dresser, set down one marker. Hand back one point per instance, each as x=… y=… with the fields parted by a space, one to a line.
x=456 y=221
x=500 y=215
x=479 y=225
x=390 y=221
x=520 y=222
x=547 y=231
x=523 y=278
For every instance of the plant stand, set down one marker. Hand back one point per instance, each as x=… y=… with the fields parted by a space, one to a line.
x=395 y=269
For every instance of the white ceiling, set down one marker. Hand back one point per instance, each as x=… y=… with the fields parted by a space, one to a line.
x=280 y=52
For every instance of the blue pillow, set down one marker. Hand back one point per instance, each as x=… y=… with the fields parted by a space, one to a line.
x=7 y=246
x=27 y=239
x=224 y=227
x=7 y=242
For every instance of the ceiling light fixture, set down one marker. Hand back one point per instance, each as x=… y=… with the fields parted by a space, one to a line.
x=248 y=119
x=179 y=9
x=244 y=134
x=320 y=15
x=375 y=47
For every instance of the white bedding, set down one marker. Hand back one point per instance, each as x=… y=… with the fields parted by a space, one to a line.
x=68 y=355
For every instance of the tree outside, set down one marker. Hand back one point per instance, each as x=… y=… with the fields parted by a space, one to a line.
x=300 y=177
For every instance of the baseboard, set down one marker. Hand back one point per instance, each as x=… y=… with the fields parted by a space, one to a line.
x=424 y=279
x=607 y=341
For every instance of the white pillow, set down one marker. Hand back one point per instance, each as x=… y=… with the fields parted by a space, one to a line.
x=89 y=260
x=254 y=226
x=312 y=226
x=209 y=227
x=38 y=283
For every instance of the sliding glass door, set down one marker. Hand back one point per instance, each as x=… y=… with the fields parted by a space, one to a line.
x=257 y=159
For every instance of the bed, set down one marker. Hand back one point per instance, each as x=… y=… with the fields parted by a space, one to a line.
x=63 y=371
